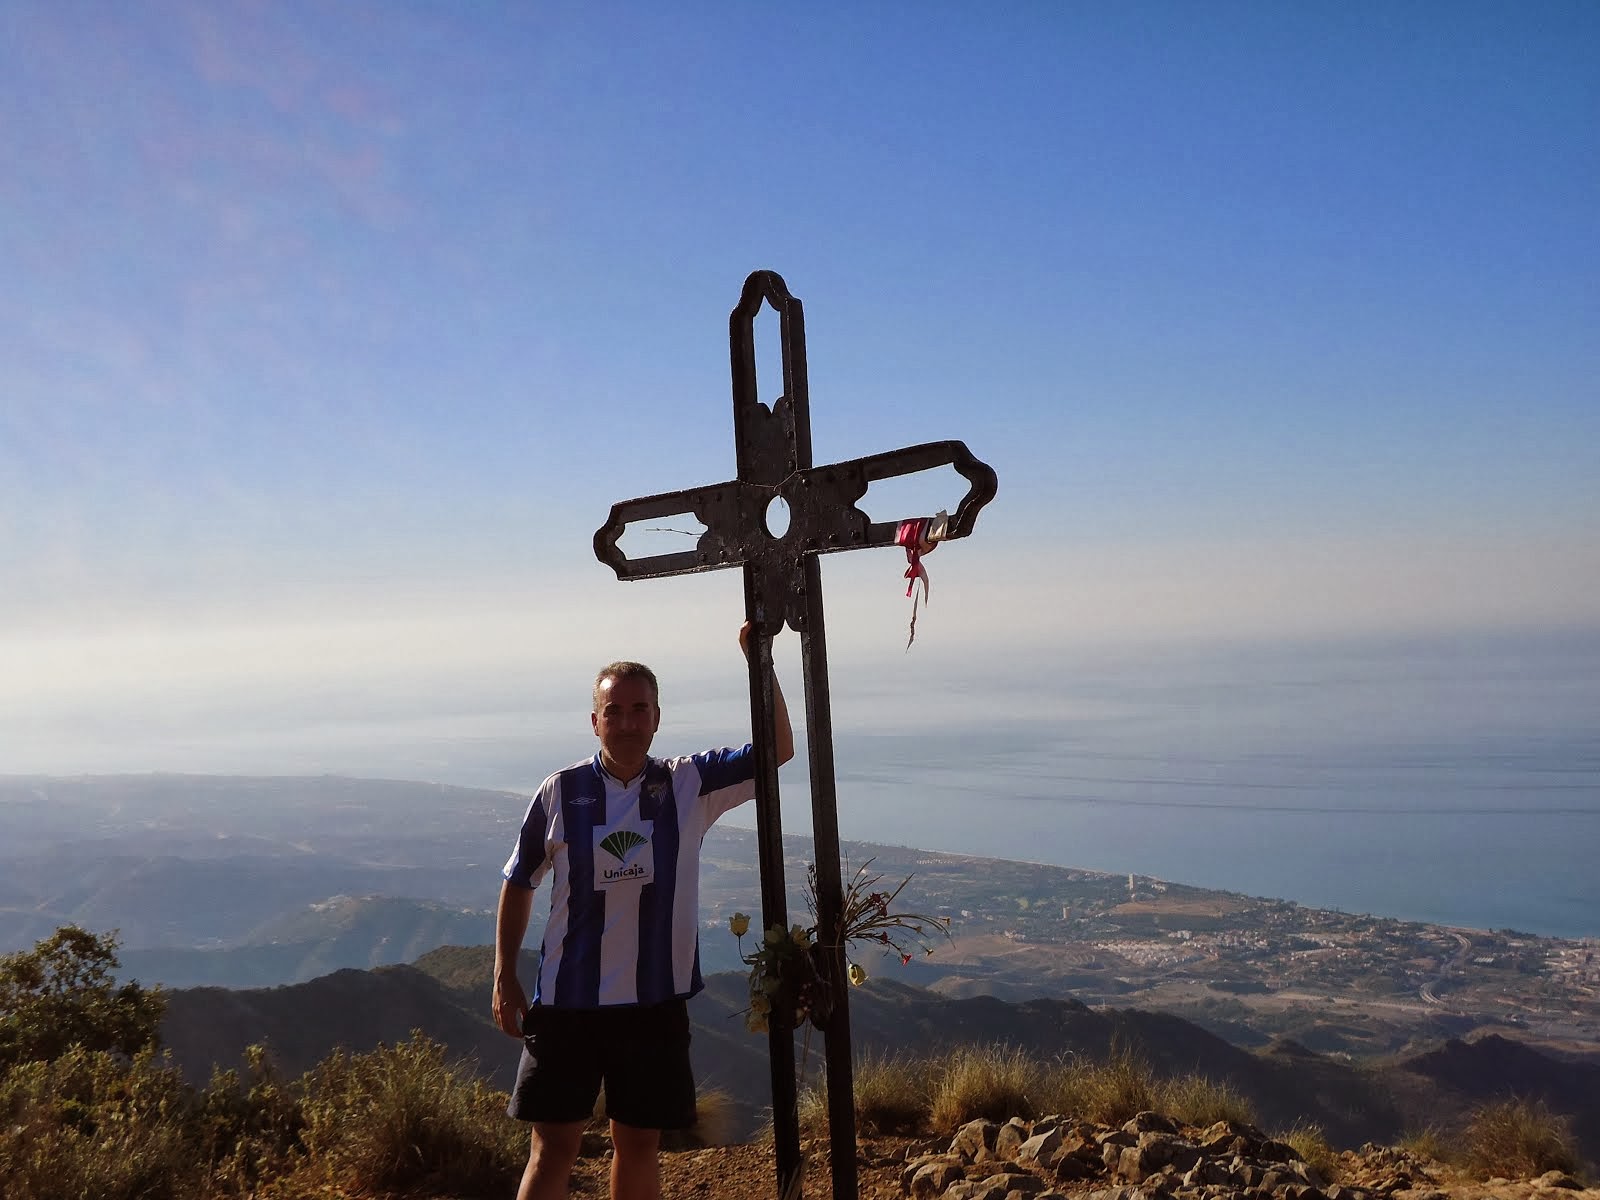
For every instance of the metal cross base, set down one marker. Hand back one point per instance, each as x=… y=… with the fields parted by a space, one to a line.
x=783 y=583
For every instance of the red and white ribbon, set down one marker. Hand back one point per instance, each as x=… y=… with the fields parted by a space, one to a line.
x=912 y=535
x=919 y=536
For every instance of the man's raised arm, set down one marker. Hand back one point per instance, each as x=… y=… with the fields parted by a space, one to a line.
x=782 y=730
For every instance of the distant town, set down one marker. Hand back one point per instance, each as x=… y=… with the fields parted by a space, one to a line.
x=1251 y=969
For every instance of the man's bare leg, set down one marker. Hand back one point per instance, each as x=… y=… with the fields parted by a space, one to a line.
x=551 y=1155
x=635 y=1163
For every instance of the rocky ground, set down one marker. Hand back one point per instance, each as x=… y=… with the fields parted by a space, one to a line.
x=1149 y=1158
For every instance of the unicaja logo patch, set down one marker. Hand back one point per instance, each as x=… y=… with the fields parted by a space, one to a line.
x=621 y=845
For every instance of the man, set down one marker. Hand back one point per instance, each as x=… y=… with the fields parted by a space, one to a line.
x=620 y=835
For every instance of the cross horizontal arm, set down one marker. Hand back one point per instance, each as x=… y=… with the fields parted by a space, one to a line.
x=824 y=518
x=715 y=506
x=980 y=477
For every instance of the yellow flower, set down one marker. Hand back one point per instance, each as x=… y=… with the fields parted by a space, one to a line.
x=739 y=924
x=756 y=1022
x=800 y=935
x=858 y=974
x=759 y=1003
x=775 y=935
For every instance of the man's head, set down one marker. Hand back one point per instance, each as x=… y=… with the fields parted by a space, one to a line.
x=627 y=713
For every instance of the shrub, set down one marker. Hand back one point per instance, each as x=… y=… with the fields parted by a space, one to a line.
x=88 y=1123
x=401 y=1118
x=1519 y=1139
x=993 y=1082
x=251 y=1134
x=62 y=993
x=87 y=1109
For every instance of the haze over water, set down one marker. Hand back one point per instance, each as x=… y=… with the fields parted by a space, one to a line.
x=1445 y=781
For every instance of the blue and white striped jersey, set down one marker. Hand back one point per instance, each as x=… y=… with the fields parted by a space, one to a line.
x=624 y=860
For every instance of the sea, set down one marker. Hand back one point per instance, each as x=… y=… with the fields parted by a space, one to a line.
x=1454 y=781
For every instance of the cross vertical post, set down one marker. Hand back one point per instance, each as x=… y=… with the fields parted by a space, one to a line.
x=783 y=585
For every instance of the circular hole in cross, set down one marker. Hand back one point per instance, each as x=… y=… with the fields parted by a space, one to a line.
x=776 y=518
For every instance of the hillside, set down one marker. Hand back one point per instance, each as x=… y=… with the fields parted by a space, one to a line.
x=445 y=995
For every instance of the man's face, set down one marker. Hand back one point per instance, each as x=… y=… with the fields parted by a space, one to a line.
x=625 y=718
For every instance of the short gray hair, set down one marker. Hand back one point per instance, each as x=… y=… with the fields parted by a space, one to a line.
x=622 y=669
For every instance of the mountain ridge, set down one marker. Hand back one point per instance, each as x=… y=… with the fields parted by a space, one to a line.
x=445 y=996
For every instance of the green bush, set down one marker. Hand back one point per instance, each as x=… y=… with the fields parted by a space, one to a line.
x=62 y=994
x=92 y=1123
x=249 y=1135
x=1518 y=1139
x=88 y=1109
x=88 y=1123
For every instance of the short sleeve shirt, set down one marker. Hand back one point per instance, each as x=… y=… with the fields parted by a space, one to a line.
x=624 y=861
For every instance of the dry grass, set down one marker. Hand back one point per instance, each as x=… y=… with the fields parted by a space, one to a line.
x=996 y=1082
x=1109 y=1092
x=1428 y=1143
x=1196 y=1100
x=714 y=1120
x=403 y=1119
x=899 y=1094
x=1311 y=1144
x=892 y=1096
x=1518 y=1139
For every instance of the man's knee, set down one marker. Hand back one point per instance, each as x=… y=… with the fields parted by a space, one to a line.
x=555 y=1143
x=632 y=1143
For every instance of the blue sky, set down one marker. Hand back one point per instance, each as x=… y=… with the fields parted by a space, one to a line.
x=329 y=332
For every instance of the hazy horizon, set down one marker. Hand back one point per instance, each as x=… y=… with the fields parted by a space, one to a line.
x=1455 y=781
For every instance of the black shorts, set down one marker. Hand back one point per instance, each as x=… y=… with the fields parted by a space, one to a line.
x=639 y=1052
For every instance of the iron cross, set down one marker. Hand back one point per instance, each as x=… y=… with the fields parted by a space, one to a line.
x=783 y=583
